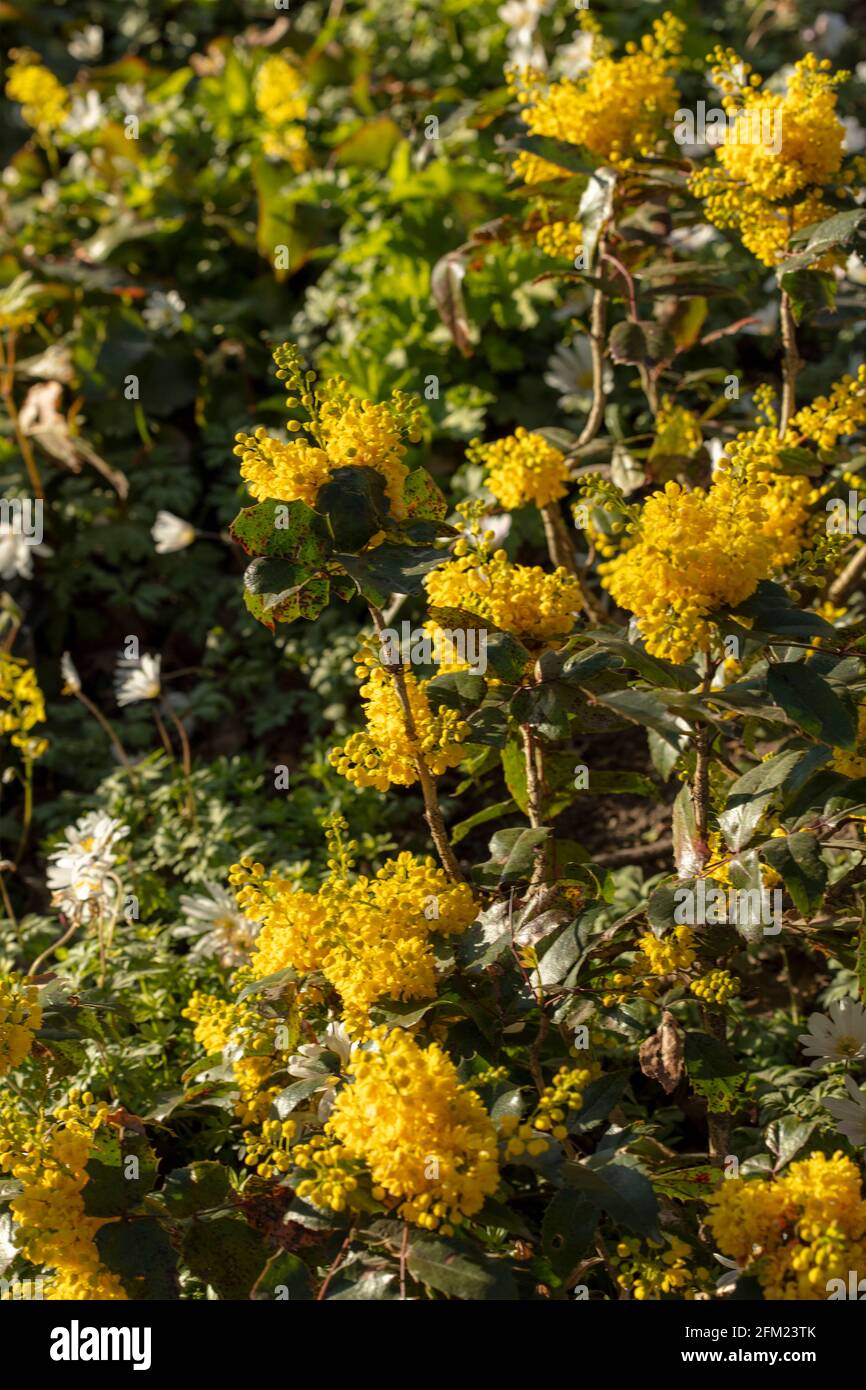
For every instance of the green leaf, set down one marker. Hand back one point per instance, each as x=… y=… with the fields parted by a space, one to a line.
x=422 y=498
x=227 y=1254
x=774 y=615
x=512 y=855
x=559 y=152
x=354 y=505
x=119 y=1172
x=514 y=768
x=291 y=530
x=201 y=1185
x=804 y=873
x=811 y=704
x=494 y=812
x=842 y=229
x=458 y=1271
x=785 y=1138
x=640 y=343
x=751 y=795
x=567 y=1230
x=391 y=569
x=622 y=1191
x=808 y=291
x=141 y=1254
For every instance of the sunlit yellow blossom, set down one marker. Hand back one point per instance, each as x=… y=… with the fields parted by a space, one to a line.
x=524 y=600
x=773 y=149
x=370 y=936
x=660 y=1267
x=797 y=1231
x=20 y=1018
x=427 y=1141
x=44 y=101
x=620 y=108
x=677 y=430
x=48 y=1155
x=345 y=432
x=852 y=762
x=282 y=103
x=22 y=705
x=260 y=1044
x=522 y=468
x=673 y=951
x=383 y=754
x=716 y=987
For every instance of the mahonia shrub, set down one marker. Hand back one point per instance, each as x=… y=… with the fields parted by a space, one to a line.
x=466 y=901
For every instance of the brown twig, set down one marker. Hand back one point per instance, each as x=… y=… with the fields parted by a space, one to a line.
x=791 y=364
x=432 y=809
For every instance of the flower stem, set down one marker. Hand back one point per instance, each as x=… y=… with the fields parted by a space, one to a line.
x=791 y=364
x=432 y=809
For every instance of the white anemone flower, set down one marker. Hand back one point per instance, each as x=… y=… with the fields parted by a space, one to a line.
x=80 y=871
x=838 y=1038
x=224 y=931
x=171 y=533
x=306 y=1064
x=16 y=553
x=138 y=680
x=71 y=678
x=163 y=313
x=850 y=1115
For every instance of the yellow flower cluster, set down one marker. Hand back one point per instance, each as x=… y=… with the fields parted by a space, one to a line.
x=852 y=762
x=561 y=238
x=260 y=1047
x=522 y=468
x=619 y=108
x=22 y=705
x=383 y=754
x=48 y=1155
x=563 y=1096
x=524 y=600
x=666 y=1266
x=20 y=1019
x=693 y=552
x=773 y=149
x=44 y=101
x=280 y=100
x=690 y=552
x=673 y=951
x=371 y=937
x=346 y=432
x=797 y=1231
x=717 y=987
x=427 y=1141
x=677 y=430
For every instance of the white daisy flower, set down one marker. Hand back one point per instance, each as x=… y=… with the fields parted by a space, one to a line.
x=17 y=551
x=79 y=870
x=137 y=680
x=86 y=43
x=171 y=533
x=850 y=1115
x=223 y=930
x=87 y=114
x=839 y=1037
x=163 y=313
x=71 y=678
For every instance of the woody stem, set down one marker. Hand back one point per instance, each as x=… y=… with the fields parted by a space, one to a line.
x=432 y=810
x=791 y=364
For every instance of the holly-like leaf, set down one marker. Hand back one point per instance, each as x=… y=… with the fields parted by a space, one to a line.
x=354 y=505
